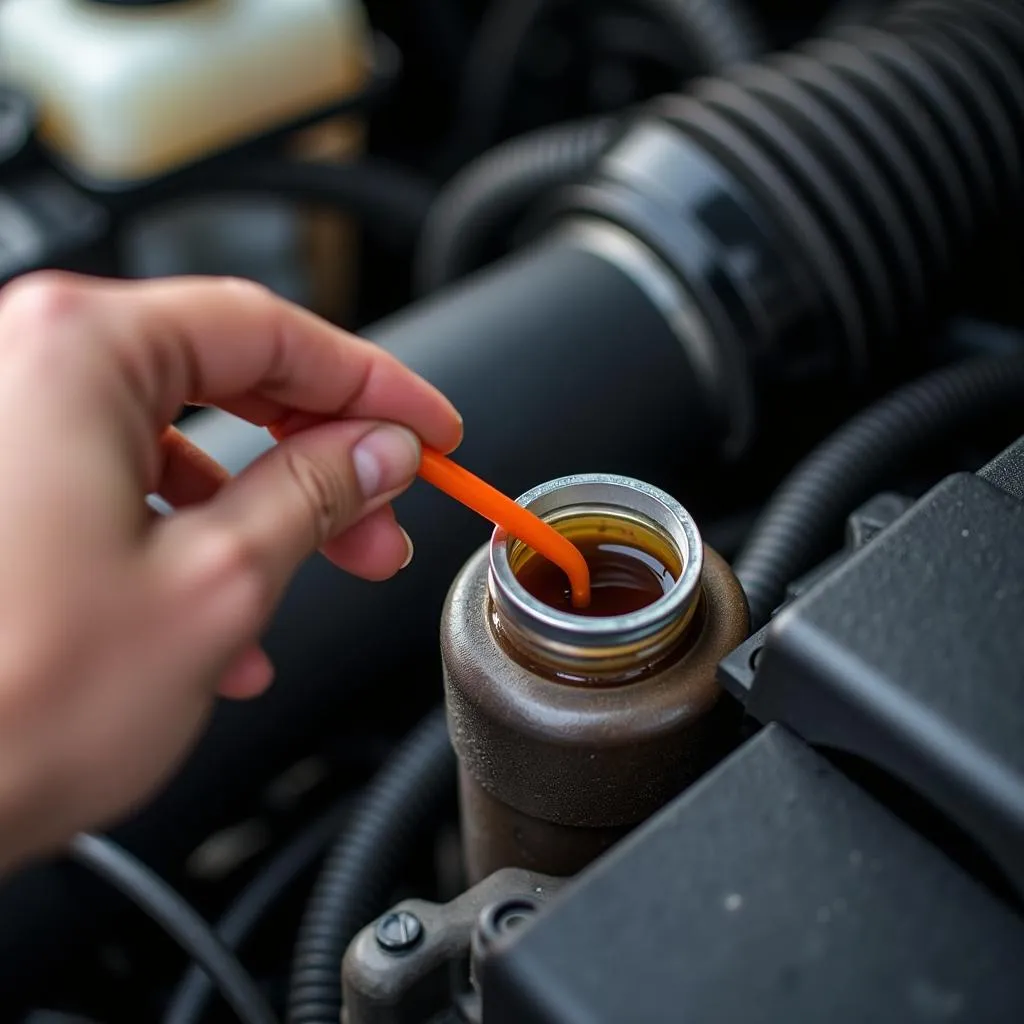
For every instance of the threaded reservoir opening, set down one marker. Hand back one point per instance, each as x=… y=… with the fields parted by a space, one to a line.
x=645 y=556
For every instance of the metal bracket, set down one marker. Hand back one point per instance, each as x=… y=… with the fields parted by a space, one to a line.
x=414 y=960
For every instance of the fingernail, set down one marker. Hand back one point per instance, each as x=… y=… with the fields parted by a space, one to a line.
x=386 y=458
x=411 y=550
x=462 y=431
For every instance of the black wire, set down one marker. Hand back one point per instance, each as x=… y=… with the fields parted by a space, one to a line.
x=189 y=1001
x=168 y=909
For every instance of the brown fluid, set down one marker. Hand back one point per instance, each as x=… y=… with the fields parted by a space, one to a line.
x=624 y=577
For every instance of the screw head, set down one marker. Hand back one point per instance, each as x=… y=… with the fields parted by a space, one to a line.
x=398 y=931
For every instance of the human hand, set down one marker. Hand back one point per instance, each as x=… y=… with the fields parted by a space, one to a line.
x=120 y=626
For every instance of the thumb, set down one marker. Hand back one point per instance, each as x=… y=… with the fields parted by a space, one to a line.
x=302 y=493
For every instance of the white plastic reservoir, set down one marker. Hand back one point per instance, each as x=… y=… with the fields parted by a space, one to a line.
x=130 y=91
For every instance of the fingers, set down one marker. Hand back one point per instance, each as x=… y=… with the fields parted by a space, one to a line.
x=216 y=341
x=189 y=475
x=248 y=676
x=375 y=548
x=300 y=495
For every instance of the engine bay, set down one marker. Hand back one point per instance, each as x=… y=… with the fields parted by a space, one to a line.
x=728 y=293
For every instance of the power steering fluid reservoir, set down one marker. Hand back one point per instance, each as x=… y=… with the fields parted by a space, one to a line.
x=573 y=725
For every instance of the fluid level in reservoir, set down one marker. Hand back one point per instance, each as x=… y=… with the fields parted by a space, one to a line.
x=631 y=567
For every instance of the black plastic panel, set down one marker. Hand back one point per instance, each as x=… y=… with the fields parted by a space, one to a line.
x=908 y=655
x=774 y=890
x=1006 y=470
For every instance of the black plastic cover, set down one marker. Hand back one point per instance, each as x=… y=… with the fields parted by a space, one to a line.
x=773 y=890
x=908 y=655
x=1006 y=470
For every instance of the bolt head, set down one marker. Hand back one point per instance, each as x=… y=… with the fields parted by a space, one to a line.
x=398 y=931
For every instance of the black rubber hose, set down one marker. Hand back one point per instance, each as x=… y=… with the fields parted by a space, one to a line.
x=361 y=872
x=710 y=34
x=486 y=199
x=189 y=1001
x=807 y=512
x=882 y=155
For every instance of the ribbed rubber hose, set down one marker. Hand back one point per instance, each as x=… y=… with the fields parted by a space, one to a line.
x=882 y=153
x=486 y=199
x=361 y=871
x=806 y=514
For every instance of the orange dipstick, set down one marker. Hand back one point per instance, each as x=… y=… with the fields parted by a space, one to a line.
x=489 y=502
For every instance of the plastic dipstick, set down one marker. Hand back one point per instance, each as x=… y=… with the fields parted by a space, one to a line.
x=489 y=502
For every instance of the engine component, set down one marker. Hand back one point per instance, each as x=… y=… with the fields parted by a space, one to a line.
x=874 y=658
x=728 y=245
x=775 y=889
x=571 y=729
x=398 y=969
x=239 y=70
x=814 y=203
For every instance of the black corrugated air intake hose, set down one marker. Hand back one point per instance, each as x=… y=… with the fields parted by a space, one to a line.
x=361 y=871
x=488 y=196
x=816 y=205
